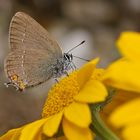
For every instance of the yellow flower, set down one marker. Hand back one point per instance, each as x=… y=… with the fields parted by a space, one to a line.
x=14 y=134
x=67 y=107
x=129 y=45
x=122 y=113
x=118 y=114
x=11 y=135
x=127 y=118
x=125 y=73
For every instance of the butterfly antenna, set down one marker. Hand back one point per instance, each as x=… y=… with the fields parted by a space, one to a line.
x=81 y=58
x=76 y=46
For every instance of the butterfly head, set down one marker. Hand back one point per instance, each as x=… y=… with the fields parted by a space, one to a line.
x=68 y=57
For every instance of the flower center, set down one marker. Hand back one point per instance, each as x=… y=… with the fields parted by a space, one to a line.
x=61 y=95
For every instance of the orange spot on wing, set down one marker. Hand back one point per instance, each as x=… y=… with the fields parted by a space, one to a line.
x=20 y=83
x=14 y=77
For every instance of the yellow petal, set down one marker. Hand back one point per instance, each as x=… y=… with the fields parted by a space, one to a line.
x=72 y=132
x=86 y=71
x=11 y=134
x=39 y=135
x=52 y=124
x=58 y=138
x=132 y=132
x=97 y=74
x=126 y=114
x=30 y=131
x=16 y=136
x=123 y=75
x=62 y=138
x=118 y=99
x=129 y=45
x=79 y=114
x=92 y=92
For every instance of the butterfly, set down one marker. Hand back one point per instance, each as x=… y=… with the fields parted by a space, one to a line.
x=35 y=55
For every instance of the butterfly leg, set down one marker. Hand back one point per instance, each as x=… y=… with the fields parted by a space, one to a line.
x=56 y=80
x=11 y=84
x=66 y=73
x=8 y=84
x=73 y=66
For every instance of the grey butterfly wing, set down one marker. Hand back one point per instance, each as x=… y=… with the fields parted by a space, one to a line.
x=32 y=67
x=24 y=31
x=33 y=51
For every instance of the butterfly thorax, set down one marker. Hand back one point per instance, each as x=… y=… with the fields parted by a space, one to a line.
x=62 y=65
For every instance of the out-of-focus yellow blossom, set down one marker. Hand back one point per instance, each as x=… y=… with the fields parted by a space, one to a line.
x=66 y=107
x=127 y=118
x=123 y=112
x=125 y=73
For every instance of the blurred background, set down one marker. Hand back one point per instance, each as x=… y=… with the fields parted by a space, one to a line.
x=98 y=22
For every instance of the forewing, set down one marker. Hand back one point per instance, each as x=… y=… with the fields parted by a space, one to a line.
x=32 y=67
x=26 y=32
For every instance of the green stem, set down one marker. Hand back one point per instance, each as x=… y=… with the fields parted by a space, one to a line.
x=99 y=127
